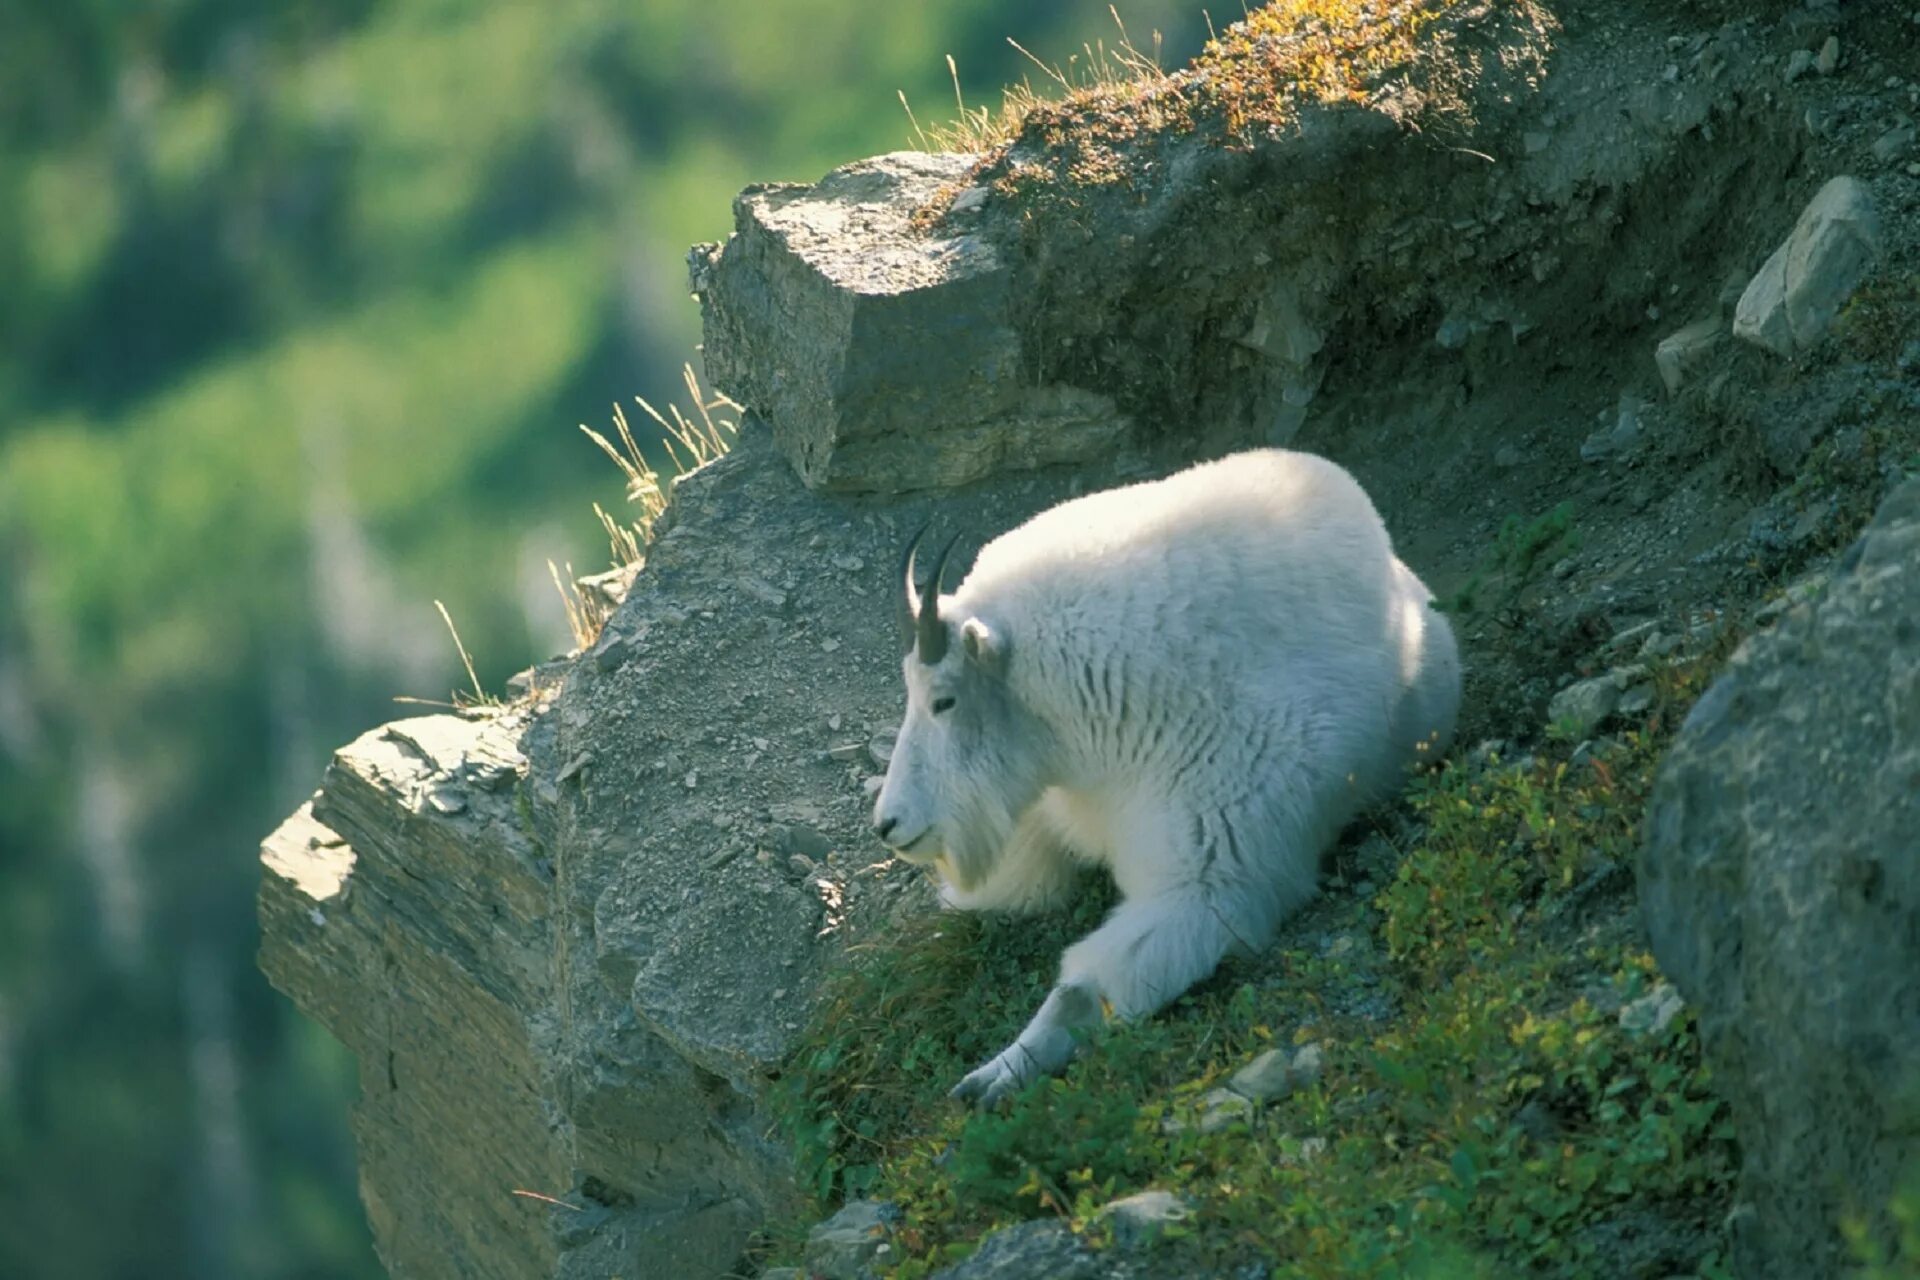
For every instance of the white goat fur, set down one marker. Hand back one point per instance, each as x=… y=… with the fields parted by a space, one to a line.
x=1195 y=682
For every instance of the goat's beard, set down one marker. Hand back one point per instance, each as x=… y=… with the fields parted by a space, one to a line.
x=972 y=845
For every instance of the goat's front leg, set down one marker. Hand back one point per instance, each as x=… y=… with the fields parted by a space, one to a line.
x=1146 y=954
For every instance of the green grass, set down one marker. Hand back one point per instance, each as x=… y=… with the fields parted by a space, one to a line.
x=1482 y=1109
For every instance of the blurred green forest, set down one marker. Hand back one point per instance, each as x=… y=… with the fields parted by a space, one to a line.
x=300 y=305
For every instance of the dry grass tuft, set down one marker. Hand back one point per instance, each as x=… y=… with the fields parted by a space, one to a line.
x=585 y=614
x=1098 y=70
x=690 y=443
x=691 y=440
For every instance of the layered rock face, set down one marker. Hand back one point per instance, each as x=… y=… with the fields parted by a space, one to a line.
x=1781 y=887
x=568 y=942
x=407 y=910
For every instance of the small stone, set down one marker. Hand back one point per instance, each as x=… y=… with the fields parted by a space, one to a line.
x=1628 y=636
x=447 y=801
x=1508 y=456
x=1798 y=64
x=969 y=200
x=833 y=722
x=803 y=841
x=1308 y=1062
x=762 y=744
x=1617 y=436
x=880 y=747
x=1583 y=706
x=1635 y=700
x=1139 y=1218
x=841 y=1247
x=1267 y=1078
x=1682 y=352
x=611 y=650
x=1827 y=61
x=765 y=592
x=871 y=785
x=1892 y=144
x=843 y=752
x=607 y=591
x=1218 y=1109
x=1661 y=645
x=1563 y=567
x=692 y=779
x=829 y=645
x=1652 y=1013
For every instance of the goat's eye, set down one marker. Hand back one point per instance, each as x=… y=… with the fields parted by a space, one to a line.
x=942 y=704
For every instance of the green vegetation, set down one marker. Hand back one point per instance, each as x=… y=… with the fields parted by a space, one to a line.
x=1520 y=548
x=1485 y=1107
x=1901 y=1261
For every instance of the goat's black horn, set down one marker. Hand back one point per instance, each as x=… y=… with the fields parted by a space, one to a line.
x=930 y=631
x=910 y=601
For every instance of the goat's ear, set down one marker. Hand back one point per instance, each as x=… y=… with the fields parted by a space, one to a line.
x=984 y=645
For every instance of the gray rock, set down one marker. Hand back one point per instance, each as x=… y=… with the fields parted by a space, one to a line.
x=1799 y=62
x=1041 y=1250
x=1215 y=1110
x=1619 y=433
x=607 y=591
x=841 y=1247
x=1266 y=1078
x=1684 y=352
x=1827 y=61
x=1635 y=700
x=972 y=200
x=884 y=359
x=372 y=884
x=1797 y=593
x=1652 y=1013
x=1584 y=705
x=1788 y=306
x=1139 y=1218
x=1308 y=1063
x=1894 y=143
x=1780 y=885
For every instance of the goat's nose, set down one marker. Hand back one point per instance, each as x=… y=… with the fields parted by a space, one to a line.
x=884 y=826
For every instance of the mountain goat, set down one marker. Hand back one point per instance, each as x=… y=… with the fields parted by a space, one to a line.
x=1194 y=682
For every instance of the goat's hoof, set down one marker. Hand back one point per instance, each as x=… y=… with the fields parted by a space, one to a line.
x=989 y=1085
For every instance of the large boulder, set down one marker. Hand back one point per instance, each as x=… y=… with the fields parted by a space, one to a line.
x=886 y=359
x=1789 y=305
x=1781 y=887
